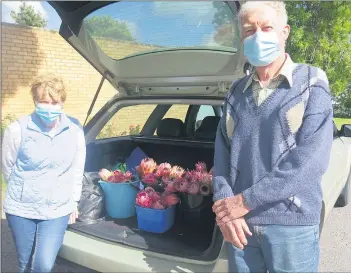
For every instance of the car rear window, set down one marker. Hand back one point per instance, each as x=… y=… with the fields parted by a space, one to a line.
x=126 y=29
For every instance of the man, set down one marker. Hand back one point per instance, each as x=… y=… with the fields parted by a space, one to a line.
x=272 y=147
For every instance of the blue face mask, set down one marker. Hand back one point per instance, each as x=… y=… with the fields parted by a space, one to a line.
x=262 y=48
x=48 y=113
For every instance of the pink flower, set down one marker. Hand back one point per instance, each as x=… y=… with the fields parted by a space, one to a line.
x=149 y=190
x=170 y=199
x=171 y=187
x=182 y=185
x=117 y=177
x=147 y=165
x=207 y=179
x=164 y=169
x=201 y=167
x=105 y=174
x=155 y=196
x=149 y=179
x=195 y=176
x=128 y=176
x=166 y=180
x=205 y=189
x=143 y=199
x=158 y=205
x=194 y=188
x=177 y=172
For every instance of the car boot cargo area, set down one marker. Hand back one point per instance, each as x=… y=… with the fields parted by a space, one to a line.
x=193 y=235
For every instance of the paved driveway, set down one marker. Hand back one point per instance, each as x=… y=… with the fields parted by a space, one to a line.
x=335 y=246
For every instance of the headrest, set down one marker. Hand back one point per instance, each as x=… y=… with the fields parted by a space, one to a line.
x=171 y=127
x=208 y=128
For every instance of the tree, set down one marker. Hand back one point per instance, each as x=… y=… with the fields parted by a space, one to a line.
x=226 y=34
x=28 y=16
x=107 y=27
x=320 y=36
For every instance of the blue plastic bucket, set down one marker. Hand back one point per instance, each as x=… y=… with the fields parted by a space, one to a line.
x=120 y=198
x=155 y=220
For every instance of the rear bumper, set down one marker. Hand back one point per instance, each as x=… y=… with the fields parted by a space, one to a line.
x=104 y=256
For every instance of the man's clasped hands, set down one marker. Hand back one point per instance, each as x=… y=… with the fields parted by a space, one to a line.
x=229 y=217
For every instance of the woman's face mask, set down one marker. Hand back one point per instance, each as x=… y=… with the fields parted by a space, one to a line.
x=49 y=113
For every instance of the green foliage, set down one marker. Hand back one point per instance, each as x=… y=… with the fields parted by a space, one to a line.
x=9 y=118
x=107 y=27
x=132 y=131
x=226 y=33
x=320 y=35
x=109 y=131
x=342 y=107
x=27 y=16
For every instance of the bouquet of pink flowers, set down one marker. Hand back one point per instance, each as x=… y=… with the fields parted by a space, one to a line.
x=172 y=179
x=149 y=198
x=162 y=177
x=116 y=176
x=198 y=181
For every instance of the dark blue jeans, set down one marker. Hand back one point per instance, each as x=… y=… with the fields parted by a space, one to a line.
x=277 y=249
x=37 y=241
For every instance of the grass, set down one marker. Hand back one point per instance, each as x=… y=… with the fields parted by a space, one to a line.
x=341 y=121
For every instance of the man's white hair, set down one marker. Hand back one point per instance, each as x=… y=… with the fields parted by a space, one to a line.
x=278 y=6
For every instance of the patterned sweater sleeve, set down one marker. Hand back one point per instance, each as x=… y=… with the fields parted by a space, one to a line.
x=310 y=156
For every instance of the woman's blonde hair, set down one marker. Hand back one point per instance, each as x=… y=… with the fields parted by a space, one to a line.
x=51 y=85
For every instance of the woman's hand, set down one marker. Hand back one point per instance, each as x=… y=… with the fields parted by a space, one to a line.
x=74 y=215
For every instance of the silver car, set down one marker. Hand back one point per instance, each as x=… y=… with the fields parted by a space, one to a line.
x=171 y=64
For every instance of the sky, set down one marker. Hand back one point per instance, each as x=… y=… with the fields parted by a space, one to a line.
x=54 y=21
x=156 y=23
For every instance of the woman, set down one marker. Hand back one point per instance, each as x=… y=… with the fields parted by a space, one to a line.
x=43 y=165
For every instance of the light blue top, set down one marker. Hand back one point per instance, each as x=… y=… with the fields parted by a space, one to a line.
x=45 y=180
x=276 y=153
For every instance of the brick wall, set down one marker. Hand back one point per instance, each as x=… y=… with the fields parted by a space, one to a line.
x=28 y=52
x=118 y=50
x=137 y=115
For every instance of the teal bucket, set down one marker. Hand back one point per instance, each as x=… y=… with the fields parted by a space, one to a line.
x=120 y=198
